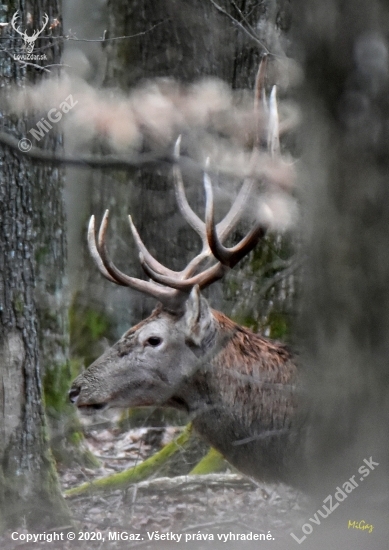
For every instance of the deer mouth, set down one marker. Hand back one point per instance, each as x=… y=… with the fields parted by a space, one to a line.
x=92 y=408
x=77 y=399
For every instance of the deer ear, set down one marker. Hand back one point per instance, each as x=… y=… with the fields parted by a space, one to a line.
x=199 y=322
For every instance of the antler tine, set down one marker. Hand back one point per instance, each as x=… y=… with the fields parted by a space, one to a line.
x=203 y=279
x=95 y=253
x=149 y=263
x=189 y=215
x=231 y=256
x=215 y=245
x=168 y=296
x=230 y=221
x=234 y=254
x=228 y=256
x=147 y=257
x=224 y=228
x=183 y=280
x=273 y=139
x=155 y=267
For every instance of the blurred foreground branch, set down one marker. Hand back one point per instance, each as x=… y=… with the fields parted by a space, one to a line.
x=143 y=160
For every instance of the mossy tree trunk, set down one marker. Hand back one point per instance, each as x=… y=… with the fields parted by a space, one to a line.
x=29 y=487
x=51 y=297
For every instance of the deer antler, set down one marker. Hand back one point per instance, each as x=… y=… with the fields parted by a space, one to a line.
x=231 y=256
x=171 y=294
x=153 y=268
x=227 y=256
x=230 y=221
x=171 y=287
x=112 y=273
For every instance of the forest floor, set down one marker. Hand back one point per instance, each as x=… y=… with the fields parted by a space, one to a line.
x=191 y=506
x=175 y=510
x=200 y=511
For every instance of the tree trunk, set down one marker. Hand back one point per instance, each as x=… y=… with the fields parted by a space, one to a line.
x=29 y=486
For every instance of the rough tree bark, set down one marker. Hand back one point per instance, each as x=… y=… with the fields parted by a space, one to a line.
x=29 y=486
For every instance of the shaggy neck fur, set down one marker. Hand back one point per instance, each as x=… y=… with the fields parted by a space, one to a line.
x=241 y=398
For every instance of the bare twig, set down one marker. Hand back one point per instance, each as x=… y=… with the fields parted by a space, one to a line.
x=240 y=25
x=104 y=39
x=244 y=18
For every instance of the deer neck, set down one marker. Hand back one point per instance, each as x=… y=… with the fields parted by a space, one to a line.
x=240 y=370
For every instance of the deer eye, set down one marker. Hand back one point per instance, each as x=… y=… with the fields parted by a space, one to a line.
x=154 y=341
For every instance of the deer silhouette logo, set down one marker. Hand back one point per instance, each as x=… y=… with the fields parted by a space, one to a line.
x=29 y=41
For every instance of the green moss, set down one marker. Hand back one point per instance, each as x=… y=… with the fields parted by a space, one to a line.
x=213 y=461
x=18 y=304
x=41 y=253
x=76 y=438
x=279 y=324
x=56 y=387
x=88 y=326
x=137 y=473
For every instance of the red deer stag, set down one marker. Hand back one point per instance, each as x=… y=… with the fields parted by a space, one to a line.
x=237 y=386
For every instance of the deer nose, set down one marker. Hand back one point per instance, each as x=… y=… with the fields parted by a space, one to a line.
x=74 y=393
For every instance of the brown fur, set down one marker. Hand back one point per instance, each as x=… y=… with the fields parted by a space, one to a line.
x=250 y=368
x=250 y=401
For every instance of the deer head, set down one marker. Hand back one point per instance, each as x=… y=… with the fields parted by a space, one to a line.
x=181 y=328
x=186 y=355
x=29 y=41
